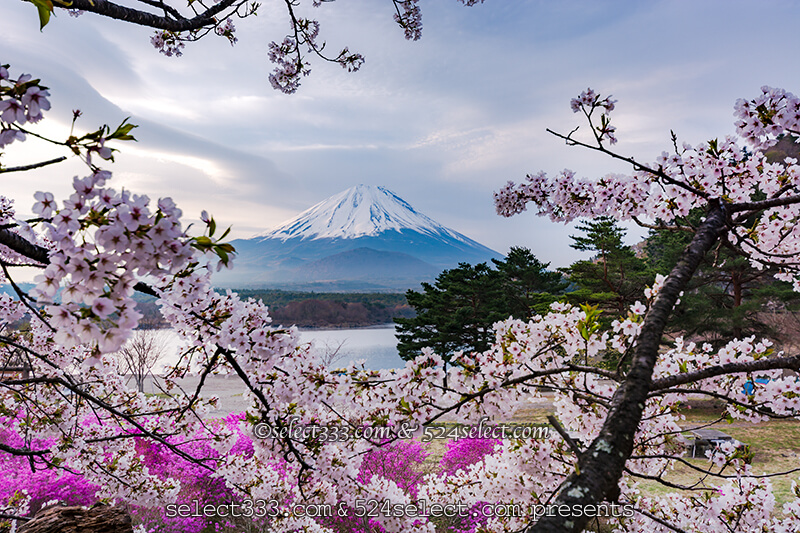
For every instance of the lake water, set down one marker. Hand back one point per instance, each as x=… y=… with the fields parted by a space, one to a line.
x=376 y=346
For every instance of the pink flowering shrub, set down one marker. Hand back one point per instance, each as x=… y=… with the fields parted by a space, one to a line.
x=460 y=454
x=39 y=483
x=463 y=452
x=199 y=485
x=26 y=485
x=400 y=461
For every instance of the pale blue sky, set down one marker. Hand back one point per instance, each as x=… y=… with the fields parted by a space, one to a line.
x=443 y=122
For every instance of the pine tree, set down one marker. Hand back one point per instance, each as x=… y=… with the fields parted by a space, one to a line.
x=614 y=278
x=458 y=311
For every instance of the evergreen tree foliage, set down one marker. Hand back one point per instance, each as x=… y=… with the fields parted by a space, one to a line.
x=458 y=310
x=527 y=284
x=614 y=278
x=727 y=298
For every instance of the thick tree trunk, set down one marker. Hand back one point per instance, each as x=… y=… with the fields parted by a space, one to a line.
x=76 y=519
x=600 y=467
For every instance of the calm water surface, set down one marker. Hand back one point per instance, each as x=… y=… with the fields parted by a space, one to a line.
x=375 y=346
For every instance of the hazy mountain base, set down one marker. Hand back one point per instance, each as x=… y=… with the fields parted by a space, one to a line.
x=311 y=309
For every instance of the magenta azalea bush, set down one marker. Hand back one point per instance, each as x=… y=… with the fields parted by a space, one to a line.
x=463 y=452
x=26 y=484
x=24 y=490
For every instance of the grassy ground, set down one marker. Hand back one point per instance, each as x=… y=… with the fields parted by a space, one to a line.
x=775 y=444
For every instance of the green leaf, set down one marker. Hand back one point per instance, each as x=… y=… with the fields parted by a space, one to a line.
x=45 y=8
x=203 y=242
x=123 y=131
x=212 y=227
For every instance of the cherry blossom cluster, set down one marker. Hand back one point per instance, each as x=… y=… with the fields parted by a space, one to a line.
x=289 y=59
x=103 y=239
x=227 y=30
x=565 y=197
x=763 y=119
x=168 y=43
x=21 y=101
x=290 y=67
x=589 y=102
x=409 y=17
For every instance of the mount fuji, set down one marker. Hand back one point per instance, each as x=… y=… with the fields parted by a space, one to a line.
x=364 y=238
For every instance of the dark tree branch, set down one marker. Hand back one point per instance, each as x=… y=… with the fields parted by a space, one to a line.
x=765 y=363
x=143 y=18
x=564 y=435
x=22 y=452
x=764 y=204
x=23 y=247
x=661 y=521
x=33 y=165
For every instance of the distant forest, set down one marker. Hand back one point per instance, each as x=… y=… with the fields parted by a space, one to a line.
x=312 y=309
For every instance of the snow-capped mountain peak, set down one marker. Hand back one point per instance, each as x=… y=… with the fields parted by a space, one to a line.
x=360 y=211
x=364 y=238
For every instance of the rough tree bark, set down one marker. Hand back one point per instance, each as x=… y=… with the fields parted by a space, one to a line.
x=171 y=20
x=76 y=519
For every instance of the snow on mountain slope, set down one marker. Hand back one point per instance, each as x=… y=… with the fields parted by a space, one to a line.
x=360 y=211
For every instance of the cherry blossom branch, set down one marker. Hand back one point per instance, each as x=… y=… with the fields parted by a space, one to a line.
x=564 y=435
x=663 y=481
x=706 y=471
x=763 y=204
x=114 y=411
x=33 y=165
x=144 y=18
x=662 y=227
x=661 y=521
x=756 y=408
x=508 y=383
x=636 y=165
x=24 y=297
x=773 y=363
x=601 y=466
